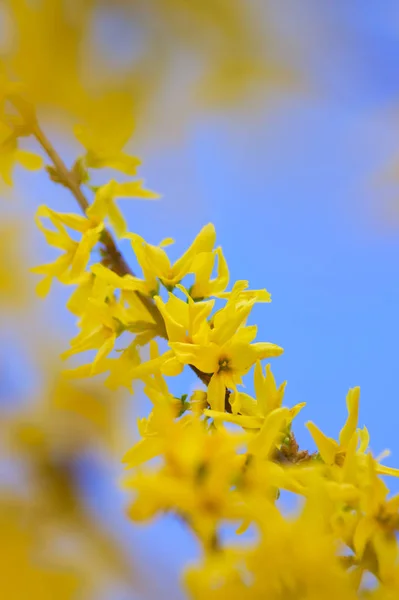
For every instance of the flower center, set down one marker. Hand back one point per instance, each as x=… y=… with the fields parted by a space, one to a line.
x=224 y=364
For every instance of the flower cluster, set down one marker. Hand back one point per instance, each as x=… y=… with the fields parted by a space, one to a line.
x=221 y=456
x=224 y=456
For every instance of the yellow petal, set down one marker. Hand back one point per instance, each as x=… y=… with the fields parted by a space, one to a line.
x=171 y=367
x=204 y=242
x=82 y=371
x=383 y=470
x=243 y=421
x=364 y=437
x=175 y=329
x=44 y=286
x=352 y=403
x=143 y=451
x=29 y=160
x=216 y=393
x=295 y=410
x=246 y=405
x=264 y=443
x=120 y=162
x=386 y=550
x=116 y=219
x=267 y=350
x=166 y=242
x=326 y=446
x=133 y=189
x=103 y=352
x=205 y=358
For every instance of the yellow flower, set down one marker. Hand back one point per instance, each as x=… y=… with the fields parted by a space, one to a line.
x=378 y=523
x=153 y=431
x=28 y=570
x=156 y=265
x=113 y=281
x=70 y=266
x=105 y=130
x=100 y=326
x=332 y=452
x=231 y=319
x=10 y=154
x=120 y=369
x=203 y=264
x=104 y=202
x=257 y=415
x=88 y=286
x=196 y=478
x=226 y=363
x=185 y=321
x=103 y=283
x=292 y=559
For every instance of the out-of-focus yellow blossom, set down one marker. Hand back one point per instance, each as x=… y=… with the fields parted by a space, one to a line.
x=120 y=369
x=87 y=286
x=15 y=291
x=26 y=570
x=66 y=65
x=70 y=266
x=156 y=265
x=11 y=154
x=104 y=136
x=160 y=423
x=153 y=431
x=301 y=563
x=100 y=327
x=104 y=202
x=378 y=523
x=196 y=478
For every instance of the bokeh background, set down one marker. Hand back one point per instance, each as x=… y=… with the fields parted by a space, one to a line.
x=278 y=122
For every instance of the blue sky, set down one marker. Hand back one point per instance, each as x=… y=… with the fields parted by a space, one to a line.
x=294 y=186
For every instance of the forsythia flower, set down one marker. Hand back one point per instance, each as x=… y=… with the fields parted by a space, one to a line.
x=104 y=202
x=156 y=265
x=198 y=472
x=203 y=265
x=257 y=415
x=70 y=266
x=227 y=363
x=104 y=132
x=11 y=154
